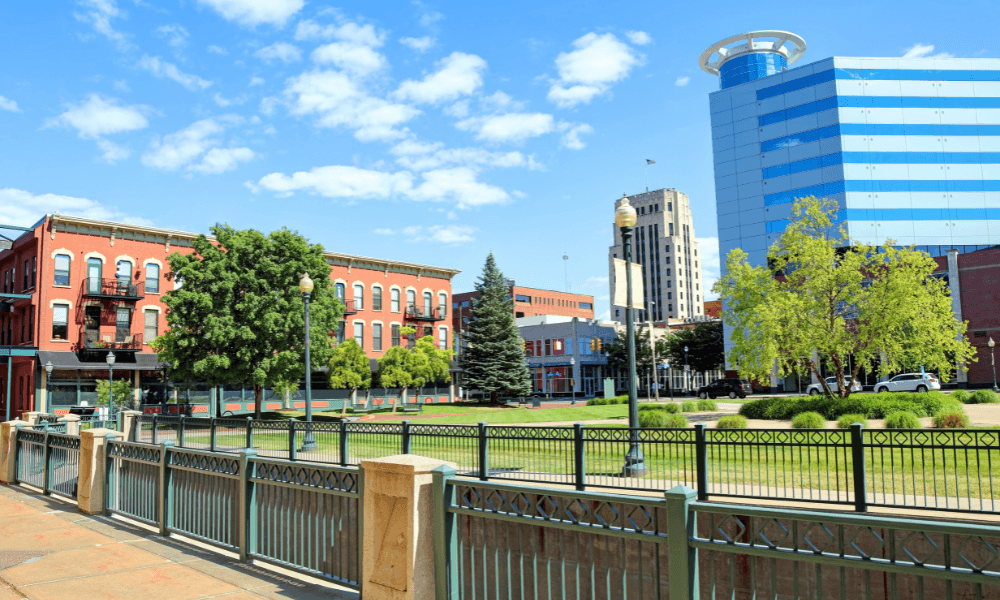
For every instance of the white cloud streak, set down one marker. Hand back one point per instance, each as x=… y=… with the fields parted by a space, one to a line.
x=588 y=71
x=682 y=81
x=6 y=104
x=200 y=139
x=457 y=75
x=164 y=70
x=252 y=13
x=421 y=44
x=286 y=53
x=639 y=38
x=509 y=127
x=100 y=116
x=919 y=50
x=20 y=207
x=99 y=14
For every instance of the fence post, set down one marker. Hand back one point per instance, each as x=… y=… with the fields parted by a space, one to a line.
x=248 y=505
x=180 y=432
x=164 y=498
x=249 y=432
x=445 y=534
x=682 y=559
x=14 y=454
x=701 y=461
x=406 y=438
x=484 y=453
x=153 y=441
x=211 y=434
x=343 y=443
x=291 y=439
x=361 y=528
x=858 y=458
x=109 y=487
x=579 y=473
x=46 y=456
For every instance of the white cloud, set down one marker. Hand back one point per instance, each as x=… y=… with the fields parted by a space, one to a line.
x=639 y=38
x=365 y=35
x=175 y=35
x=708 y=255
x=23 y=208
x=458 y=75
x=443 y=234
x=286 y=53
x=10 y=105
x=122 y=86
x=421 y=44
x=919 y=50
x=339 y=101
x=99 y=14
x=459 y=110
x=682 y=81
x=99 y=115
x=460 y=185
x=218 y=50
x=112 y=152
x=384 y=232
x=219 y=160
x=588 y=71
x=571 y=139
x=161 y=68
x=500 y=101
x=356 y=58
x=429 y=18
x=510 y=127
x=256 y=12
x=421 y=156
x=256 y=81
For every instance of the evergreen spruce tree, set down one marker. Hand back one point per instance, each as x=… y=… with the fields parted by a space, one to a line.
x=494 y=361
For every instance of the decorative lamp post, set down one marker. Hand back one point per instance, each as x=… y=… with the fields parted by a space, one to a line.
x=687 y=371
x=670 y=380
x=625 y=218
x=308 y=442
x=572 y=378
x=110 y=358
x=652 y=349
x=48 y=375
x=993 y=364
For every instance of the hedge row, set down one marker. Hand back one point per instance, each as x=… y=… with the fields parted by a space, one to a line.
x=606 y=401
x=872 y=406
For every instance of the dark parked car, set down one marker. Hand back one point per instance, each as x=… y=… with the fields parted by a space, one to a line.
x=725 y=387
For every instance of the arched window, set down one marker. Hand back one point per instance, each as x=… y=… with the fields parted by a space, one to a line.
x=94 y=266
x=153 y=278
x=427 y=303
x=377 y=298
x=443 y=303
x=338 y=291
x=411 y=299
x=61 y=275
x=359 y=296
x=443 y=338
x=394 y=299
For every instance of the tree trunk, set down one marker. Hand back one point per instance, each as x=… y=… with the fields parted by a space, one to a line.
x=287 y=402
x=343 y=408
x=258 y=400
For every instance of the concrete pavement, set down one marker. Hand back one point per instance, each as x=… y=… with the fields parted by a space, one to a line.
x=50 y=551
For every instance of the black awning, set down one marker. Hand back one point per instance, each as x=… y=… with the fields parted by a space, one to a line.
x=144 y=361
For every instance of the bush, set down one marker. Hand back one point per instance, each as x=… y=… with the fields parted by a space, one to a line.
x=808 y=420
x=661 y=418
x=732 y=422
x=688 y=406
x=951 y=419
x=597 y=402
x=961 y=396
x=872 y=406
x=845 y=421
x=676 y=421
x=707 y=405
x=902 y=420
x=983 y=397
x=668 y=408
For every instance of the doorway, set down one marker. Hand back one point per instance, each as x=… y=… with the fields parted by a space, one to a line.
x=92 y=325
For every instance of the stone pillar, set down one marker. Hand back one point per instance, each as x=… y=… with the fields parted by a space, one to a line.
x=93 y=458
x=32 y=417
x=8 y=444
x=398 y=528
x=72 y=424
x=130 y=425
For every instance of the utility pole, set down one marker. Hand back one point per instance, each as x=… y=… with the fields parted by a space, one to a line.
x=566 y=271
x=652 y=348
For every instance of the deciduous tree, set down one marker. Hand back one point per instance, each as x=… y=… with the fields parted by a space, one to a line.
x=350 y=368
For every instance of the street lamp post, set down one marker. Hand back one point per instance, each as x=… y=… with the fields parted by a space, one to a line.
x=687 y=373
x=625 y=218
x=993 y=364
x=110 y=358
x=48 y=394
x=308 y=441
x=670 y=380
x=652 y=348
x=572 y=378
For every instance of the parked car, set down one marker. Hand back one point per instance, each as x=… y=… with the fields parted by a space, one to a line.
x=725 y=387
x=817 y=388
x=909 y=382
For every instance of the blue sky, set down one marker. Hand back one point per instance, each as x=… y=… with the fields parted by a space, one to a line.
x=431 y=132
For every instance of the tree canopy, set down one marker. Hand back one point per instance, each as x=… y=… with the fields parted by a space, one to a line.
x=705 y=343
x=437 y=366
x=618 y=352
x=494 y=360
x=820 y=299
x=239 y=316
x=350 y=368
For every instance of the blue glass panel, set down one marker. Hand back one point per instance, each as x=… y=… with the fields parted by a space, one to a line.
x=750 y=67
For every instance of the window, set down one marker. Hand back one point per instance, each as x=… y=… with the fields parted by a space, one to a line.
x=24 y=319
x=359 y=296
x=60 y=321
x=671 y=225
x=124 y=272
x=341 y=331
x=377 y=337
x=394 y=332
x=24 y=284
x=31 y=323
x=442 y=303
x=670 y=206
x=6 y=281
x=427 y=303
x=529 y=348
x=670 y=307
x=359 y=334
x=338 y=291
x=123 y=324
x=61 y=276
x=411 y=299
x=150 y=329
x=34 y=270
x=394 y=300
x=586 y=305
x=548 y=348
x=521 y=298
x=94 y=266
x=377 y=298
x=443 y=338
x=153 y=278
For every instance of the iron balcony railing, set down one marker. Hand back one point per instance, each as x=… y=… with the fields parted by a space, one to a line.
x=118 y=289
x=417 y=313
x=119 y=340
x=349 y=308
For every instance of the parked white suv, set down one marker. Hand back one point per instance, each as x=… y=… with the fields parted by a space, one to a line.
x=909 y=382
x=817 y=388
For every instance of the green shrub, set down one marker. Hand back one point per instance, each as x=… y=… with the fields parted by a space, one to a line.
x=951 y=419
x=845 y=421
x=688 y=406
x=902 y=420
x=597 y=402
x=676 y=421
x=667 y=408
x=808 y=420
x=984 y=397
x=661 y=418
x=872 y=406
x=707 y=405
x=962 y=396
x=732 y=422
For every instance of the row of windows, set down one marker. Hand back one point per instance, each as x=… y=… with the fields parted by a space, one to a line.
x=886 y=185
x=123 y=323
x=29 y=273
x=27 y=327
x=95 y=272
x=394 y=297
x=926 y=75
x=654 y=208
x=377 y=344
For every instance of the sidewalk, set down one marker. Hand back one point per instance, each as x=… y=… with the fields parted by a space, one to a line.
x=50 y=551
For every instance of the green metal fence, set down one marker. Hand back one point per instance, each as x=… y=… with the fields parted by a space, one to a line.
x=48 y=461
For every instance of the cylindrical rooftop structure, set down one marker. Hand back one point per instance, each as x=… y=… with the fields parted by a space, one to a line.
x=749 y=56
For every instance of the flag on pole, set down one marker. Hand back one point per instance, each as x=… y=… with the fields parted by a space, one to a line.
x=650 y=162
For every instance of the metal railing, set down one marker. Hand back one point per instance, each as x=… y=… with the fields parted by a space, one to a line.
x=113 y=288
x=94 y=340
x=48 y=461
x=420 y=313
x=305 y=517
x=953 y=470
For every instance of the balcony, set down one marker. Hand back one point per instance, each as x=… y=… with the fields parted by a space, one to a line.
x=349 y=308
x=120 y=341
x=416 y=313
x=114 y=289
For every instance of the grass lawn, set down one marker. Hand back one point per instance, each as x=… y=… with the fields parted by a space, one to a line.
x=504 y=416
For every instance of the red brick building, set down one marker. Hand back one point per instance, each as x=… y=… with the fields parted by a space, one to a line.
x=713 y=309
x=74 y=289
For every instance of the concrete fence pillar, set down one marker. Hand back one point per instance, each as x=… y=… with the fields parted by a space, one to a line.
x=72 y=424
x=130 y=425
x=398 y=528
x=32 y=417
x=8 y=446
x=93 y=458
